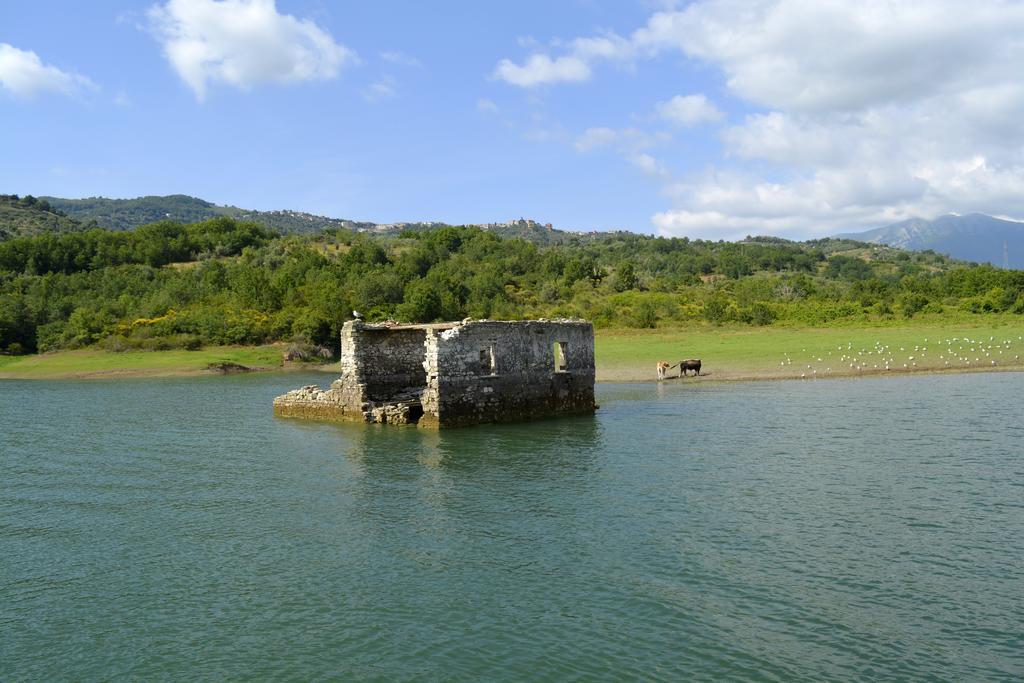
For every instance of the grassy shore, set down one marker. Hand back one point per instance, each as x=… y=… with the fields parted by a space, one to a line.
x=94 y=363
x=728 y=353
x=745 y=353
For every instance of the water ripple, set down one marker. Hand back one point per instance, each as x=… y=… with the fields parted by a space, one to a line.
x=827 y=530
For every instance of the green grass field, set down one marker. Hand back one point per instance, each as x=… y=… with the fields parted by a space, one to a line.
x=774 y=352
x=97 y=363
x=728 y=353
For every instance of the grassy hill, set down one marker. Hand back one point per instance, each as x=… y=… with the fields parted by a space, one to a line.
x=128 y=214
x=523 y=228
x=28 y=216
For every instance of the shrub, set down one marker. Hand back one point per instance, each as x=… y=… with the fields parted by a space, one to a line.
x=912 y=302
x=761 y=314
x=716 y=310
x=645 y=315
x=119 y=343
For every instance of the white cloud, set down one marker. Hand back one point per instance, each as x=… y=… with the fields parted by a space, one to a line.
x=625 y=139
x=865 y=112
x=608 y=46
x=575 y=67
x=628 y=143
x=399 y=58
x=486 y=106
x=795 y=141
x=732 y=204
x=542 y=70
x=828 y=201
x=244 y=43
x=648 y=165
x=594 y=138
x=932 y=156
x=23 y=73
x=384 y=88
x=689 y=110
x=814 y=56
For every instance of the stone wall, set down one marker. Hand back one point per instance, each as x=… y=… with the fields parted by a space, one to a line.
x=383 y=377
x=313 y=403
x=452 y=375
x=431 y=405
x=524 y=383
x=389 y=361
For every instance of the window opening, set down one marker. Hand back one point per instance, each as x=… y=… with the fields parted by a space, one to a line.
x=487 y=366
x=559 y=353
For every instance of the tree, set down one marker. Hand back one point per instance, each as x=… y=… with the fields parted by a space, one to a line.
x=625 y=278
x=422 y=303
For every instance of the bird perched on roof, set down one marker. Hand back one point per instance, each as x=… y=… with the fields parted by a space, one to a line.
x=357 y=315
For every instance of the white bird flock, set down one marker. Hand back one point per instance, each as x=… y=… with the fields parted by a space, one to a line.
x=955 y=352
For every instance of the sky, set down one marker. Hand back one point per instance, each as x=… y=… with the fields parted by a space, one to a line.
x=710 y=119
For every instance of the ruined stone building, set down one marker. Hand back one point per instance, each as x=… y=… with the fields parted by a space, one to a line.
x=455 y=374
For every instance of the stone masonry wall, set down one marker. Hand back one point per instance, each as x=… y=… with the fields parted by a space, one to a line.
x=313 y=403
x=389 y=360
x=454 y=375
x=382 y=379
x=524 y=383
x=430 y=402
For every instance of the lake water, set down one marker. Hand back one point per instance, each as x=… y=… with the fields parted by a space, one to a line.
x=828 y=530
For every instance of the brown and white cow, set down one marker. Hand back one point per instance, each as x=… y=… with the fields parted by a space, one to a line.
x=663 y=368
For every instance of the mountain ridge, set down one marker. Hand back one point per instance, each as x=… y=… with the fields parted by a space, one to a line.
x=128 y=214
x=974 y=237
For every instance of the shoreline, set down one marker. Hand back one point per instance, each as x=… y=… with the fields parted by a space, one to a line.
x=729 y=354
x=154 y=373
x=731 y=378
x=94 y=364
x=604 y=375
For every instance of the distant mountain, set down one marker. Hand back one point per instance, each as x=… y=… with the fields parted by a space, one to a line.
x=974 y=237
x=26 y=216
x=128 y=214
x=522 y=228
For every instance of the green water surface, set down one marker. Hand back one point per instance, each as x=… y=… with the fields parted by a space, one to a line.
x=829 y=530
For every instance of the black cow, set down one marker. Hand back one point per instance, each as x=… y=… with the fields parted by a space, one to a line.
x=691 y=364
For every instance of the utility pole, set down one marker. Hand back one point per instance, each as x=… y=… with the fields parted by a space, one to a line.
x=1006 y=256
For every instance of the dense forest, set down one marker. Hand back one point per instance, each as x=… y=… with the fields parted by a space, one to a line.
x=223 y=281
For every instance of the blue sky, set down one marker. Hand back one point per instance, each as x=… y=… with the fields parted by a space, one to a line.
x=713 y=118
